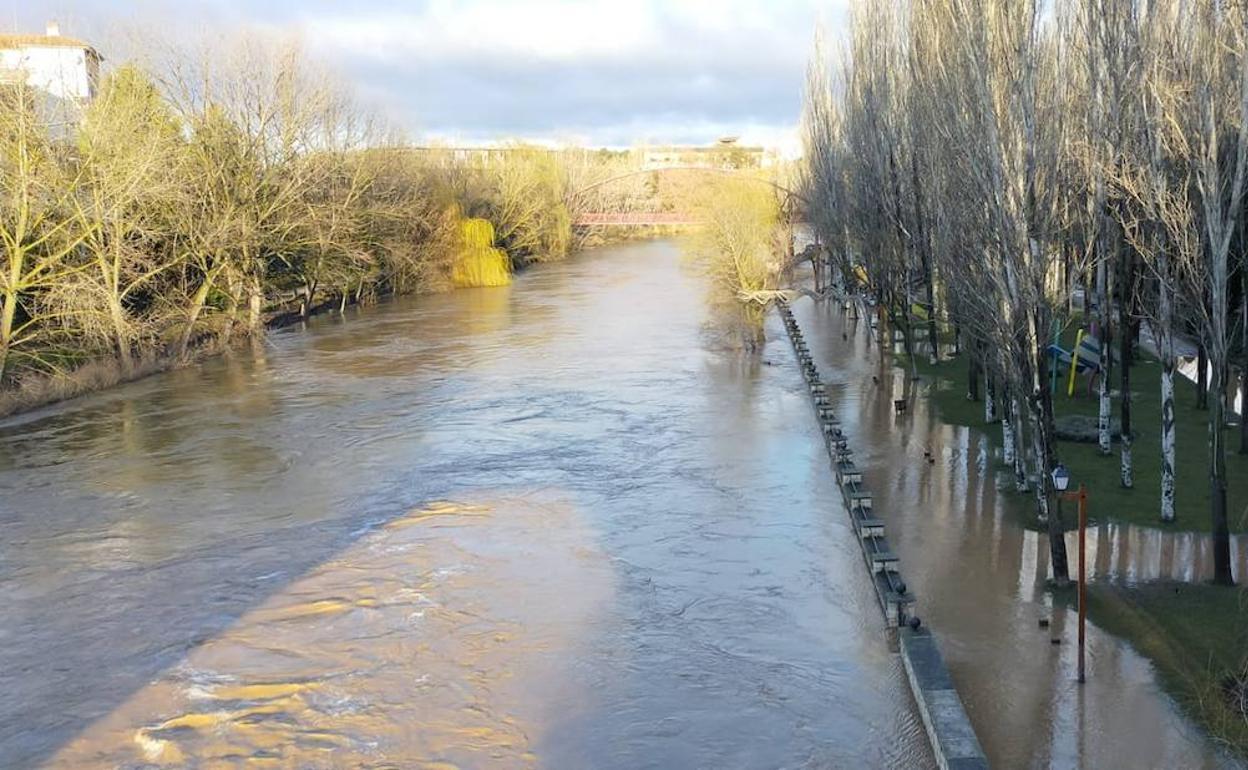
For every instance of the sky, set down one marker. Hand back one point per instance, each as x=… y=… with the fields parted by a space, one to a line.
x=595 y=72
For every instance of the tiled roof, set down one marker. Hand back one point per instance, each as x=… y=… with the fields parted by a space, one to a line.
x=45 y=41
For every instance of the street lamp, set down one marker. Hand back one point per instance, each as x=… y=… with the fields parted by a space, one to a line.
x=1061 y=481
x=1061 y=478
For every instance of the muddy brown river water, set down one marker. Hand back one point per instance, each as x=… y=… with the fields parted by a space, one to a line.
x=556 y=525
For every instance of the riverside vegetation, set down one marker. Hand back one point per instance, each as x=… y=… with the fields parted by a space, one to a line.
x=199 y=199
x=994 y=175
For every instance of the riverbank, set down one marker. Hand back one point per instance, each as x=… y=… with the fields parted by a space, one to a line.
x=982 y=580
x=41 y=390
x=947 y=386
x=1193 y=633
x=1196 y=635
x=97 y=374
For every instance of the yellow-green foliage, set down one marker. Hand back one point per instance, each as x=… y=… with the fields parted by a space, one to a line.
x=737 y=245
x=478 y=262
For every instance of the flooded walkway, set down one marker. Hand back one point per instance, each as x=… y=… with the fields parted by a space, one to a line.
x=980 y=579
x=550 y=525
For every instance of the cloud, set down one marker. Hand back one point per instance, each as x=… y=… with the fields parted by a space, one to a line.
x=610 y=72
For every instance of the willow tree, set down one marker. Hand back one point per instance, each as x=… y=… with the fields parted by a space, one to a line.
x=526 y=200
x=739 y=243
x=253 y=111
x=477 y=261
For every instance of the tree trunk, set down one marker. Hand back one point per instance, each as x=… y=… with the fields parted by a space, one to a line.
x=1217 y=485
x=1243 y=377
x=1020 y=459
x=972 y=378
x=197 y=306
x=1105 y=406
x=1202 y=376
x=1165 y=347
x=8 y=312
x=1042 y=440
x=1243 y=405
x=117 y=316
x=990 y=395
x=255 y=305
x=1127 y=475
x=1105 y=296
x=1007 y=439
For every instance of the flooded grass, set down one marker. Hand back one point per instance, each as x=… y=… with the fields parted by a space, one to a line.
x=1197 y=638
x=1194 y=634
x=1108 y=498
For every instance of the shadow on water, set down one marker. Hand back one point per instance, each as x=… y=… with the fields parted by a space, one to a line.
x=980 y=578
x=643 y=562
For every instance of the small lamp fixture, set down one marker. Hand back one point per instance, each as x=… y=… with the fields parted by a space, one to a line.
x=1061 y=478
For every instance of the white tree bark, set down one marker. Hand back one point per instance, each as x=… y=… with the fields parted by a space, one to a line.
x=1007 y=441
x=1167 y=437
x=1105 y=410
x=1020 y=460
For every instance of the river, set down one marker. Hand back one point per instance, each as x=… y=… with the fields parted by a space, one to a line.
x=557 y=524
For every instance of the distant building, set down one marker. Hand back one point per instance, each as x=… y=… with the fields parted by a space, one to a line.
x=724 y=154
x=64 y=68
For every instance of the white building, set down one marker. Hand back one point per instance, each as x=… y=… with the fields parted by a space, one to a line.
x=64 y=68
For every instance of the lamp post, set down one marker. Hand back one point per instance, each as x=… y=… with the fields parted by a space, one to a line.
x=1061 y=480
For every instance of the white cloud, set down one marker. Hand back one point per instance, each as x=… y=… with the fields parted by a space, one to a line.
x=601 y=71
x=554 y=31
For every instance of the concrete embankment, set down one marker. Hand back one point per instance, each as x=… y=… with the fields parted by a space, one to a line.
x=949 y=730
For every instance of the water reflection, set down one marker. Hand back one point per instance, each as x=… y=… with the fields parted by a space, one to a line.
x=647 y=564
x=980 y=578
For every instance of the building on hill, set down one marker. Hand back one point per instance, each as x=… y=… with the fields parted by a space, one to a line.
x=64 y=68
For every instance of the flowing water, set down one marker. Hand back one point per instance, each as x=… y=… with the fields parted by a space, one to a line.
x=557 y=524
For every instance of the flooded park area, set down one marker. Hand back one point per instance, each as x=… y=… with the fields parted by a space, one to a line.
x=555 y=524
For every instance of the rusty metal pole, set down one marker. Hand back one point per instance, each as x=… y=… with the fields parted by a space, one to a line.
x=1083 y=575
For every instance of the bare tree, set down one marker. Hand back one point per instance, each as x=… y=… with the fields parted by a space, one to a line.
x=37 y=232
x=129 y=180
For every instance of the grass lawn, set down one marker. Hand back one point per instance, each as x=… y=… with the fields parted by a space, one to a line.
x=1196 y=637
x=1107 y=497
